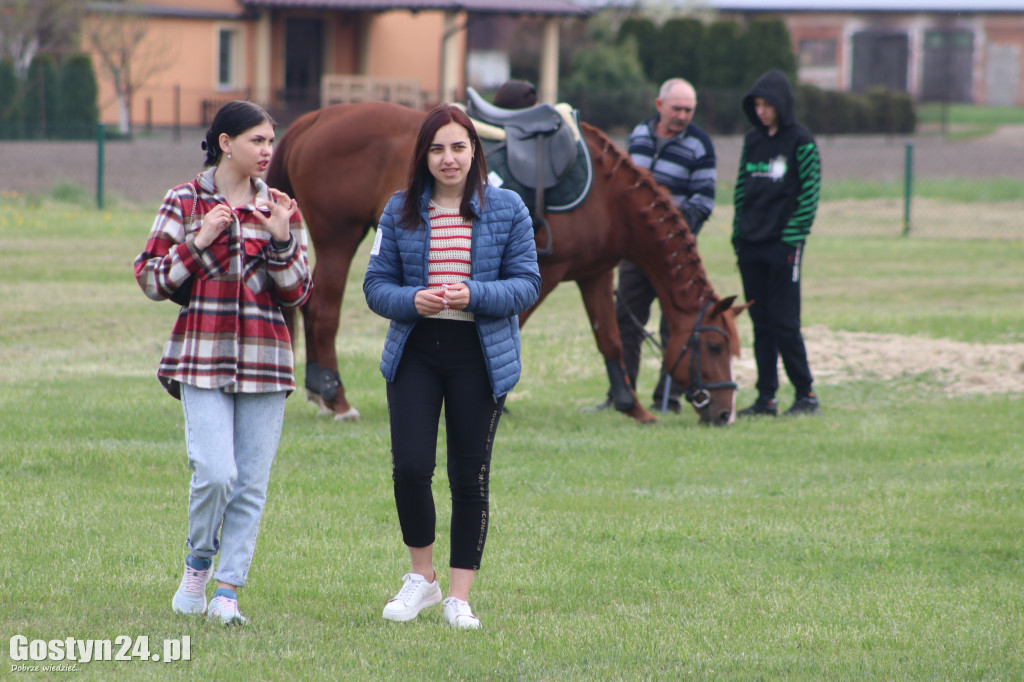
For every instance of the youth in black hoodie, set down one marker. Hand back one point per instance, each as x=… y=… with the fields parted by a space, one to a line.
x=776 y=198
x=779 y=176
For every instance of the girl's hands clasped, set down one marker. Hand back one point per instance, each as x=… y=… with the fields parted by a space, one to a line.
x=457 y=295
x=433 y=301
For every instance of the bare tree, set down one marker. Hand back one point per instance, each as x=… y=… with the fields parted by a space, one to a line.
x=30 y=27
x=118 y=33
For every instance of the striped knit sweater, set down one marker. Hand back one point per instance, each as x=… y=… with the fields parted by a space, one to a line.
x=451 y=237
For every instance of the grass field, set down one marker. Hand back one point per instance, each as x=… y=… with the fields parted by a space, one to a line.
x=966 y=121
x=881 y=540
x=969 y=115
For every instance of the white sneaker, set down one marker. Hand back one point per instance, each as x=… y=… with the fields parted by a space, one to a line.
x=225 y=609
x=190 y=599
x=416 y=594
x=458 y=614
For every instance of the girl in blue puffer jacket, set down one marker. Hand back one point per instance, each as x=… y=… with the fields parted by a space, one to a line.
x=453 y=265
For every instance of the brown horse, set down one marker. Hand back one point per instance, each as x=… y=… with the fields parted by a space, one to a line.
x=343 y=162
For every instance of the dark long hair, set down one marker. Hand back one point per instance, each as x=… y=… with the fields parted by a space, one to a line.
x=419 y=172
x=234 y=118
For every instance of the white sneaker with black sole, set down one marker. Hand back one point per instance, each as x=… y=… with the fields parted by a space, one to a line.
x=416 y=594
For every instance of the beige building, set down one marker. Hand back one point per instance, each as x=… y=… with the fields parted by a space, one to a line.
x=295 y=55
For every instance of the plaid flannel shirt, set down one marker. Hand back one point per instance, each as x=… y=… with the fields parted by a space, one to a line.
x=232 y=334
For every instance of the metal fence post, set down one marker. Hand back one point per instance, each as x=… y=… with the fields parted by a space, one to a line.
x=101 y=134
x=908 y=184
x=177 y=112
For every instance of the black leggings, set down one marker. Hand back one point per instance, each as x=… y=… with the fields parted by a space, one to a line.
x=442 y=363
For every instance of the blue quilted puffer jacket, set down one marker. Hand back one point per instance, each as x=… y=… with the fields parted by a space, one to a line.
x=505 y=279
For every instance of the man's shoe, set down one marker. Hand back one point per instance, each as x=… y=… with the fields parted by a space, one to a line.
x=190 y=599
x=416 y=594
x=224 y=608
x=762 y=407
x=458 y=614
x=808 y=404
x=600 y=407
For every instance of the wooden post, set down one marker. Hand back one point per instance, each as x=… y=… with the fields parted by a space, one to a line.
x=450 y=59
x=261 y=75
x=548 y=91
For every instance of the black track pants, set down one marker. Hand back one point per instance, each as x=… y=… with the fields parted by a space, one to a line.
x=771 y=278
x=442 y=364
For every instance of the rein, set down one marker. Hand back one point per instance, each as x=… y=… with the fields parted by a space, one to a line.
x=698 y=393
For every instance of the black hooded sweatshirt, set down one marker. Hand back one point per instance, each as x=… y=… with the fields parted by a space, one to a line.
x=779 y=178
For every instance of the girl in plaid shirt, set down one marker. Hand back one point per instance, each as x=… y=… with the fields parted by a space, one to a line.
x=233 y=252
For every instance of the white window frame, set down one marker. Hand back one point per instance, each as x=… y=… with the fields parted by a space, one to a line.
x=811 y=52
x=234 y=58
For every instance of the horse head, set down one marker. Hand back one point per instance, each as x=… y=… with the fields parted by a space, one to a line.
x=701 y=360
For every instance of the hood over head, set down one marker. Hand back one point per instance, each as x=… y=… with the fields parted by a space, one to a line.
x=774 y=87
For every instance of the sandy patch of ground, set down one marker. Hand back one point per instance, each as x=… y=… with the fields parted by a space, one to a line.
x=957 y=368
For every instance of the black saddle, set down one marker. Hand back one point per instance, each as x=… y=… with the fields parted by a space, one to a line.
x=541 y=147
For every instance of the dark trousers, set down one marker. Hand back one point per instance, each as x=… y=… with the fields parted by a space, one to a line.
x=635 y=296
x=442 y=364
x=771 y=278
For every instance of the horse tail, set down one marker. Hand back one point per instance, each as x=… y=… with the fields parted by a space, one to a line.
x=277 y=173
x=278 y=178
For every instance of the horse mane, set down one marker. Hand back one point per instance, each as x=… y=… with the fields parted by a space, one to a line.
x=661 y=215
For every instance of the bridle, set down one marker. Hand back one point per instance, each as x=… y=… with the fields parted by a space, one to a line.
x=698 y=393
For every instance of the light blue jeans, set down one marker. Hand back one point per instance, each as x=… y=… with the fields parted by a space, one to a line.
x=231 y=439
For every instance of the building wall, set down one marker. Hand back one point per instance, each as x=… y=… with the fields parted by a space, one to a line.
x=394 y=44
x=996 y=63
x=182 y=54
x=1002 y=82
x=346 y=43
x=401 y=44
x=815 y=33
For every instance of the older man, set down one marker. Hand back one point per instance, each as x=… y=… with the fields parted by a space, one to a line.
x=681 y=157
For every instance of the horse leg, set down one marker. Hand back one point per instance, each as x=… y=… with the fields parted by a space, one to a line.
x=314 y=378
x=549 y=279
x=598 y=298
x=323 y=314
x=312 y=373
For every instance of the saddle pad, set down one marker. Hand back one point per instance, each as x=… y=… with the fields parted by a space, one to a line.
x=565 y=196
